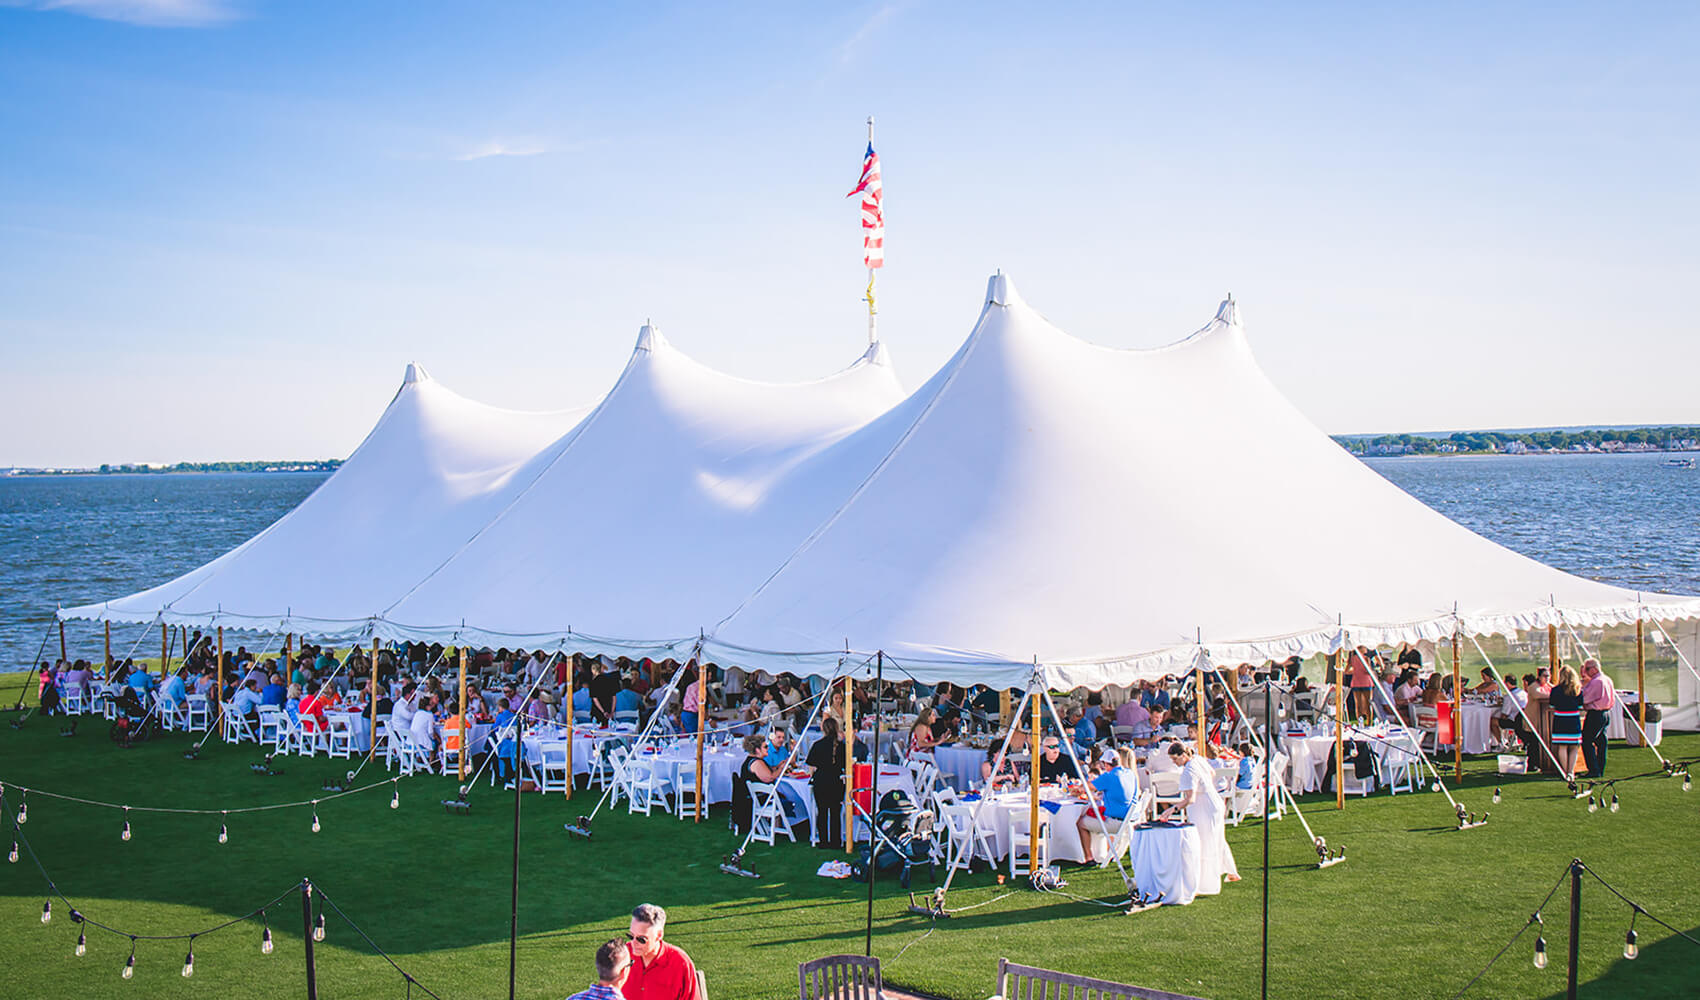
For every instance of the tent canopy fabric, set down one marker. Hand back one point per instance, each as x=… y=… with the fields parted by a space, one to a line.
x=1039 y=503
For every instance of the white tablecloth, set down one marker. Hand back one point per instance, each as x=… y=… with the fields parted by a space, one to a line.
x=1064 y=817
x=959 y=765
x=1165 y=861
x=1309 y=755
x=361 y=726
x=1477 y=717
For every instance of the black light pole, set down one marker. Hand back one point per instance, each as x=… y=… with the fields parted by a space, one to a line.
x=513 y=910
x=1268 y=770
x=307 y=938
x=1575 y=924
x=873 y=800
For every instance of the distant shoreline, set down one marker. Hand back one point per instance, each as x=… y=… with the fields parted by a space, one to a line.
x=180 y=469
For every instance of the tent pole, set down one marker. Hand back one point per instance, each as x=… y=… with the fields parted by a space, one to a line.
x=372 y=696
x=1340 y=659
x=108 y=630
x=572 y=669
x=849 y=723
x=1457 y=713
x=702 y=729
x=873 y=799
x=1641 y=675
x=219 y=692
x=1199 y=715
x=1552 y=651
x=63 y=655
x=1033 y=780
x=460 y=741
x=164 y=648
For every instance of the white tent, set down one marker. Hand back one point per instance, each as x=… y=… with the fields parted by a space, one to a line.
x=1103 y=513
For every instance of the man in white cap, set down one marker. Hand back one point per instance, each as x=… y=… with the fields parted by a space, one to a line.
x=1117 y=790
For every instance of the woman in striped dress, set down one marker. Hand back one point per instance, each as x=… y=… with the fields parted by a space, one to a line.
x=1567 y=720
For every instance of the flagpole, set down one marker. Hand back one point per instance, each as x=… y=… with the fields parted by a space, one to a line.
x=872 y=312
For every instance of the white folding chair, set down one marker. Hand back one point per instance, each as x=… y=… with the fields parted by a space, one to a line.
x=628 y=716
x=1022 y=844
x=198 y=718
x=964 y=842
x=685 y=801
x=1401 y=763
x=73 y=700
x=340 y=737
x=449 y=756
x=768 y=819
x=648 y=787
x=233 y=728
x=1166 y=787
x=270 y=718
x=619 y=771
x=552 y=772
x=1428 y=726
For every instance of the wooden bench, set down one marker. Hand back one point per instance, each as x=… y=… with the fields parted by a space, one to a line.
x=1024 y=982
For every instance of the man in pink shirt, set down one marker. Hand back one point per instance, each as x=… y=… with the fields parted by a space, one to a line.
x=1598 y=698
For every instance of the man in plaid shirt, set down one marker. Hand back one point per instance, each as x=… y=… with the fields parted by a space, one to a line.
x=613 y=964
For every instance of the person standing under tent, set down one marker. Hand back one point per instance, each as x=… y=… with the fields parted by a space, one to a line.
x=1566 y=741
x=826 y=759
x=1204 y=808
x=603 y=689
x=1362 y=682
x=690 y=707
x=1598 y=699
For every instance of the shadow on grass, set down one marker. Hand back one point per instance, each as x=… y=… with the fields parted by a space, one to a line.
x=1664 y=969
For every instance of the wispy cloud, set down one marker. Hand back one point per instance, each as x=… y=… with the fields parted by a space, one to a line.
x=153 y=13
x=847 y=49
x=503 y=147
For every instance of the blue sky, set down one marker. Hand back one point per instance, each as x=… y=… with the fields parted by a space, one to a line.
x=226 y=225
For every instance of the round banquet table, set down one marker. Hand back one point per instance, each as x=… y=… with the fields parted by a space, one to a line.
x=1477 y=716
x=1061 y=810
x=1308 y=756
x=959 y=765
x=1166 y=861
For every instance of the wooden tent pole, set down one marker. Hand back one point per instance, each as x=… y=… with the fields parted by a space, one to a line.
x=63 y=655
x=372 y=696
x=702 y=729
x=572 y=668
x=164 y=648
x=1340 y=663
x=1200 y=714
x=1457 y=713
x=1033 y=783
x=1641 y=674
x=218 y=692
x=1552 y=651
x=108 y=625
x=460 y=753
x=849 y=724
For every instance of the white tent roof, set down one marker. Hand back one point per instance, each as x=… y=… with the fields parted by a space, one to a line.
x=1105 y=513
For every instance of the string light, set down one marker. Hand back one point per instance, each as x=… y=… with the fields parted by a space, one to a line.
x=23 y=811
x=189 y=959
x=1687 y=782
x=125 y=834
x=130 y=963
x=82 y=945
x=1593 y=806
x=224 y=831
x=315 y=815
x=1631 y=950
x=47 y=911
x=395 y=794
x=1435 y=787
x=1614 y=802
x=1540 y=952
x=1496 y=796
x=319 y=927
x=265 y=935
x=13 y=855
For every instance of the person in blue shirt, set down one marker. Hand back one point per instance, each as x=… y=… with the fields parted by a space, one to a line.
x=1085 y=730
x=613 y=966
x=776 y=749
x=505 y=761
x=274 y=692
x=1248 y=765
x=1156 y=696
x=626 y=700
x=581 y=700
x=1117 y=788
x=143 y=683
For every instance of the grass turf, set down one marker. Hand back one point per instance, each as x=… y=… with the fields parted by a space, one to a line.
x=1416 y=910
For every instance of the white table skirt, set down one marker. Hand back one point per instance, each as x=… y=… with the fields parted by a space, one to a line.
x=1477 y=718
x=1166 y=861
x=1308 y=756
x=995 y=814
x=360 y=725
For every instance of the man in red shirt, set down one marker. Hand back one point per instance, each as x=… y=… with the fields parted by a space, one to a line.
x=659 y=970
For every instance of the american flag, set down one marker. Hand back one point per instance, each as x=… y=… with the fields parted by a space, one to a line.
x=873 y=217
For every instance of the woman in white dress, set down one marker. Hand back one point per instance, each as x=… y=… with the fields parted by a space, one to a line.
x=1203 y=805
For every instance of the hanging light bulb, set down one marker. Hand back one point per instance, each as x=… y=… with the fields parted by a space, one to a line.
x=1435 y=787
x=1687 y=782
x=265 y=940
x=130 y=963
x=125 y=833
x=1496 y=796
x=1540 y=952
x=315 y=821
x=82 y=945
x=1614 y=802
x=319 y=927
x=223 y=834
x=189 y=960
x=1631 y=950
x=395 y=795
x=23 y=813
x=13 y=855
x=1593 y=806
x=47 y=911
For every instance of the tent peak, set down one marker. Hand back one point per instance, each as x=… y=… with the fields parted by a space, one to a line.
x=1000 y=291
x=1229 y=311
x=876 y=354
x=649 y=337
x=415 y=373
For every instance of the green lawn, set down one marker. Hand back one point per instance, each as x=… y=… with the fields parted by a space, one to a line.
x=1416 y=910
